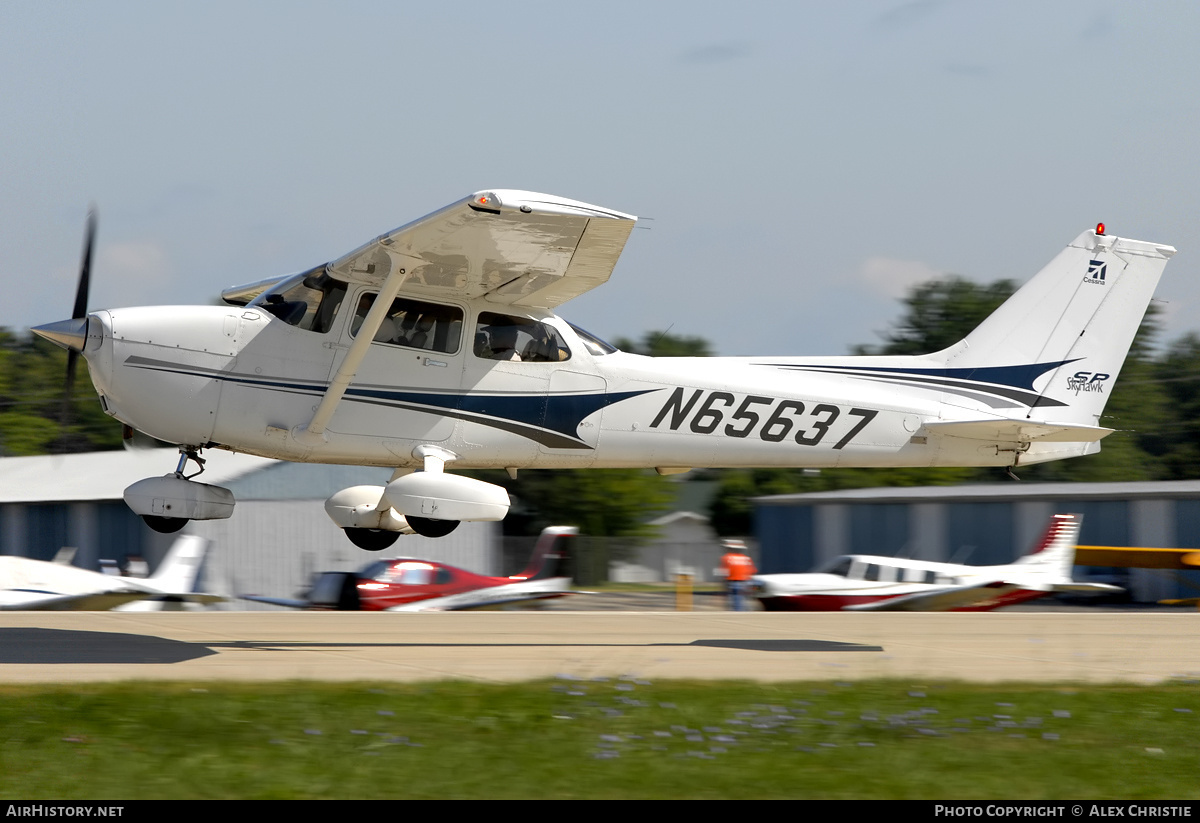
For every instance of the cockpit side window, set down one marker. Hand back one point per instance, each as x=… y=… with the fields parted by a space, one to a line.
x=411 y=573
x=414 y=324
x=507 y=337
x=308 y=301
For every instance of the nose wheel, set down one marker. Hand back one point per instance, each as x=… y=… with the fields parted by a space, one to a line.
x=167 y=503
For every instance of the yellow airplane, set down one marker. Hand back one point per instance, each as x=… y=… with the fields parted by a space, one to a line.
x=1143 y=558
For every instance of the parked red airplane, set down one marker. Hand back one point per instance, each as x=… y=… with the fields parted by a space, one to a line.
x=410 y=585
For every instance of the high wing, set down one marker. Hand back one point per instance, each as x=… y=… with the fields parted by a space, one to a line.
x=1138 y=558
x=514 y=247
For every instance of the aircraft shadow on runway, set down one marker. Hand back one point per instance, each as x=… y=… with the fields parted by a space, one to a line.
x=783 y=645
x=29 y=646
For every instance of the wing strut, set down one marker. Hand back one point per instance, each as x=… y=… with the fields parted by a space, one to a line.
x=314 y=432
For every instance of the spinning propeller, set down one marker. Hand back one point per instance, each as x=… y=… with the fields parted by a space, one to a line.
x=72 y=334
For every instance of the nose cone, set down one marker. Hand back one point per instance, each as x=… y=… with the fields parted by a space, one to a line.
x=70 y=334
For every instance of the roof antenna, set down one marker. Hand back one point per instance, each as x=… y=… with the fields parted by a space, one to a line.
x=661 y=335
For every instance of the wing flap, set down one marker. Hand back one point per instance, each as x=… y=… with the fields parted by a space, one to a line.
x=1137 y=558
x=515 y=248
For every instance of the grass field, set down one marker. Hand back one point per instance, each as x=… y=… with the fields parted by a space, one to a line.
x=615 y=738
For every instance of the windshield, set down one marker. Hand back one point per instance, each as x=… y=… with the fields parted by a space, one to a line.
x=307 y=301
x=592 y=343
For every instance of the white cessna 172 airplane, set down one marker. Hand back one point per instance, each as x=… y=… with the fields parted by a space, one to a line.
x=35 y=585
x=866 y=583
x=437 y=343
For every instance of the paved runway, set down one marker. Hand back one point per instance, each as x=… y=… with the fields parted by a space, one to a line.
x=47 y=647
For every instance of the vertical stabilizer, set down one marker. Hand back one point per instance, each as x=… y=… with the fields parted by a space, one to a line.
x=551 y=554
x=1065 y=334
x=179 y=570
x=1054 y=555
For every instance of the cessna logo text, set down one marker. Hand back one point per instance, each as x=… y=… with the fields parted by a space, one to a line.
x=1096 y=271
x=1087 y=381
x=767 y=418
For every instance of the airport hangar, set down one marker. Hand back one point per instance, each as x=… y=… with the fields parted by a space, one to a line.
x=983 y=525
x=278 y=536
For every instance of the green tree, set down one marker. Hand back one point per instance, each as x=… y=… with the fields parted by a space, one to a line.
x=664 y=344
x=939 y=313
x=601 y=502
x=1173 y=384
x=32 y=376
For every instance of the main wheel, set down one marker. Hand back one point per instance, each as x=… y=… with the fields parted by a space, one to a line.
x=431 y=528
x=373 y=540
x=164 y=525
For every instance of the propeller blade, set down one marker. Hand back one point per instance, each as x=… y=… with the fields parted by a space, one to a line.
x=85 y=268
x=80 y=313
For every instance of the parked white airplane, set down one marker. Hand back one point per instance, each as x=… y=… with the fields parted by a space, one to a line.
x=27 y=584
x=436 y=343
x=860 y=582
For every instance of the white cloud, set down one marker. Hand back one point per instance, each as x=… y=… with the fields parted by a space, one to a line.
x=131 y=274
x=893 y=278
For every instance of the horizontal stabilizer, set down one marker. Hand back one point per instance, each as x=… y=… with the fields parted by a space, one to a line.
x=1097 y=588
x=189 y=597
x=1018 y=430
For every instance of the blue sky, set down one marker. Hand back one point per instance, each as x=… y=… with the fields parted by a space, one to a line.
x=803 y=163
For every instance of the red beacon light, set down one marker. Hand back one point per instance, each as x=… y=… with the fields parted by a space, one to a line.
x=1099 y=229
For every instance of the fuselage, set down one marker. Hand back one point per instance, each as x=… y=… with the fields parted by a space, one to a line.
x=245 y=379
x=856 y=580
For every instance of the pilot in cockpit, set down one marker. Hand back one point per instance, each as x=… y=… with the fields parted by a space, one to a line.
x=503 y=337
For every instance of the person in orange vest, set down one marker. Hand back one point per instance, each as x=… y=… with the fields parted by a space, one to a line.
x=737 y=569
